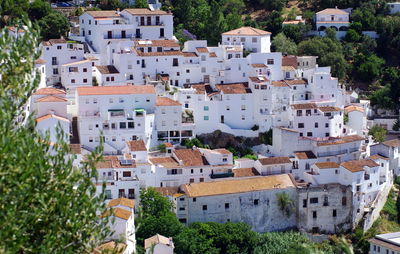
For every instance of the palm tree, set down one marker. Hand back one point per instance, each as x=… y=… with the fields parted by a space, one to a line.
x=285 y=202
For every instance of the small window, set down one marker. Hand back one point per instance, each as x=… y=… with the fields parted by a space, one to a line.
x=204 y=207
x=226 y=205
x=334 y=213
x=344 y=201
x=194 y=199
x=270 y=61
x=126 y=174
x=304 y=203
x=316 y=125
x=206 y=118
x=59 y=47
x=256 y=201
x=300 y=125
x=313 y=200
x=206 y=108
x=314 y=214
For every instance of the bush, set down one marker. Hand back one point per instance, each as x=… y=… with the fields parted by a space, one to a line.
x=378 y=133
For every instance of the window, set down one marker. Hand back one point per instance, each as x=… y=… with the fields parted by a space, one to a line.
x=224 y=159
x=243 y=39
x=201 y=170
x=203 y=69
x=191 y=180
x=90 y=139
x=131 y=125
x=201 y=179
x=113 y=126
x=334 y=213
x=316 y=125
x=308 y=112
x=226 y=205
x=204 y=207
x=55 y=71
x=206 y=108
x=243 y=117
x=59 y=47
x=254 y=39
x=299 y=112
x=309 y=134
x=54 y=60
x=256 y=201
x=344 y=201
x=126 y=174
x=84 y=69
x=181 y=208
x=326 y=125
x=191 y=171
x=313 y=200
x=194 y=199
x=314 y=214
x=326 y=134
x=85 y=80
x=108 y=194
x=122 y=125
x=73 y=57
x=300 y=125
x=206 y=118
x=94 y=101
x=304 y=203
x=270 y=61
x=243 y=107
x=175 y=62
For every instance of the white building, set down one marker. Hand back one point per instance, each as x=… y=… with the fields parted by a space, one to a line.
x=332 y=18
x=159 y=244
x=385 y=243
x=252 y=39
x=250 y=200
x=394 y=7
x=390 y=150
x=357 y=119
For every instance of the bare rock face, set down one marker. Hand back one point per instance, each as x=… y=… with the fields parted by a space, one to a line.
x=219 y=139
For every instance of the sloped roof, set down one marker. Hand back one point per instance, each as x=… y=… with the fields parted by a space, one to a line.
x=145 y=11
x=327 y=164
x=190 y=157
x=332 y=11
x=274 y=160
x=48 y=91
x=165 y=101
x=107 y=69
x=156 y=239
x=51 y=98
x=236 y=88
x=341 y=140
x=352 y=108
x=136 y=145
x=392 y=143
x=245 y=172
x=247 y=30
x=111 y=90
x=119 y=213
x=122 y=202
x=103 y=14
x=48 y=116
x=358 y=165
x=304 y=155
x=238 y=185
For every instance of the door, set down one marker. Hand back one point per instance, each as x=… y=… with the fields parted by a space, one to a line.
x=131 y=193
x=109 y=34
x=157 y=20
x=149 y=21
x=161 y=32
x=142 y=21
x=222 y=119
x=123 y=34
x=138 y=33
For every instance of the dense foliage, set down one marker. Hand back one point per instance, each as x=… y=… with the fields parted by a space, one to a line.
x=47 y=205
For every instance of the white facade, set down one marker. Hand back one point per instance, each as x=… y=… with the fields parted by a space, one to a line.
x=394 y=7
x=385 y=243
x=252 y=39
x=332 y=18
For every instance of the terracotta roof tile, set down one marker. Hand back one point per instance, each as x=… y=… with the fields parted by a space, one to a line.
x=54 y=42
x=222 y=151
x=121 y=202
x=40 y=61
x=327 y=164
x=189 y=54
x=202 y=50
x=51 y=98
x=329 y=109
x=213 y=54
x=136 y=145
x=392 y=143
x=110 y=247
x=259 y=66
x=279 y=83
x=274 y=160
x=240 y=185
x=387 y=245
x=246 y=30
x=296 y=82
x=304 y=106
x=245 y=172
x=113 y=162
x=164 y=53
x=107 y=69
x=77 y=63
x=259 y=79
x=236 y=88
x=352 y=108
x=103 y=14
x=165 y=101
x=45 y=117
x=304 y=155
x=288 y=68
x=48 y=91
x=119 y=213
x=111 y=90
x=358 y=165
x=290 y=61
x=332 y=11
x=190 y=157
x=156 y=239
x=167 y=191
x=167 y=162
x=157 y=43
x=378 y=156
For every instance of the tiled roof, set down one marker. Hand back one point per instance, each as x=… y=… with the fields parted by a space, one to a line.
x=103 y=14
x=167 y=162
x=280 y=83
x=145 y=11
x=113 y=162
x=245 y=172
x=329 y=109
x=48 y=116
x=119 y=213
x=48 y=91
x=289 y=61
x=352 y=108
x=165 y=101
x=288 y=68
x=213 y=54
x=304 y=106
x=167 y=144
x=53 y=42
x=202 y=88
x=385 y=244
x=167 y=191
x=287 y=129
x=332 y=11
x=274 y=160
x=222 y=151
x=292 y=22
x=136 y=145
x=190 y=157
x=156 y=239
x=304 y=155
x=14 y=29
x=258 y=80
x=327 y=164
x=246 y=30
x=111 y=90
x=237 y=88
x=392 y=143
x=240 y=185
x=358 y=165
x=189 y=54
x=259 y=66
x=107 y=69
x=40 y=61
x=202 y=50
x=121 y=202
x=163 y=53
x=295 y=82
x=341 y=140
x=156 y=43
x=378 y=156
x=51 y=98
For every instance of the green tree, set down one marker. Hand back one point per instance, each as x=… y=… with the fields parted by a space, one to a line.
x=285 y=203
x=233 y=21
x=273 y=23
x=378 y=133
x=368 y=67
x=189 y=241
x=48 y=205
x=53 y=26
x=216 y=24
x=280 y=242
x=155 y=216
x=273 y=5
x=283 y=44
x=297 y=33
x=141 y=4
x=39 y=9
x=352 y=36
x=382 y=98
x=10 y=9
